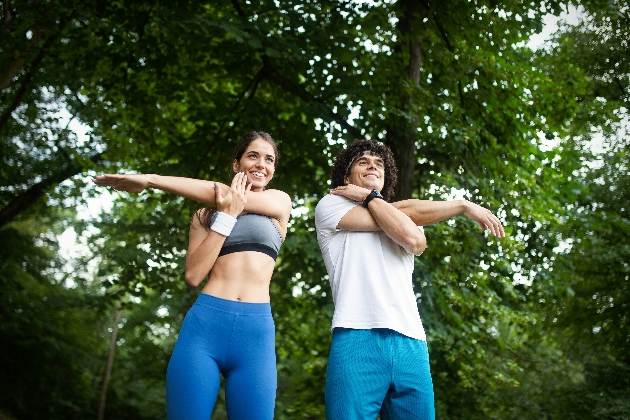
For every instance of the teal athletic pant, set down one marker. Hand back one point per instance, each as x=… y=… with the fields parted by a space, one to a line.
x=378 y=370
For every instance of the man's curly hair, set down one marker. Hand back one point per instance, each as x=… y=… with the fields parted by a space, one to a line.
x=345 y=158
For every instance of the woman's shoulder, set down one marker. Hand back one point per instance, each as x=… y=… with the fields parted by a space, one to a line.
x=276 y=192
x=280 y=196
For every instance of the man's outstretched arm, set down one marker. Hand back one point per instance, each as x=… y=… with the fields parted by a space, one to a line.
x=428 y=212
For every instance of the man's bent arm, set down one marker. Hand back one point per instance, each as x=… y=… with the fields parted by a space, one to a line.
x=383 y=216
x=398 y=226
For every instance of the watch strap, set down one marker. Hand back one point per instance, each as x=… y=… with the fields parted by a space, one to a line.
x=372 y=195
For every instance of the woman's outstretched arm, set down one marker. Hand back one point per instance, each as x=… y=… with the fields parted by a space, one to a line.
x=272 y=203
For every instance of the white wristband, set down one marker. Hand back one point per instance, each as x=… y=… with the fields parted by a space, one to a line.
x=223 y=224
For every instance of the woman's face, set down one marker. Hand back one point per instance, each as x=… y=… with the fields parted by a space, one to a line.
x=258 y=163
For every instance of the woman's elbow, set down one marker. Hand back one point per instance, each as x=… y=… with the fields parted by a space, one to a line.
x=192 y=279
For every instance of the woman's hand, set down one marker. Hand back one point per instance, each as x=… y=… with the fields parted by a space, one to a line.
x=125 y=182
x=353 y=192
x=234 y=201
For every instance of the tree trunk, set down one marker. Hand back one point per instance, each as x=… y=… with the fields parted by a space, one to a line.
x=110 y=362
x=403 y=133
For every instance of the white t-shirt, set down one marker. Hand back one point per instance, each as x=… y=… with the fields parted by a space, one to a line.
x=370 y=275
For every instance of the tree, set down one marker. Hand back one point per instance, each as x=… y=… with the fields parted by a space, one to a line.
x=580 y=367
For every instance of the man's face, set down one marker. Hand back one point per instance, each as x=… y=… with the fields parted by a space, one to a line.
x=367 y=171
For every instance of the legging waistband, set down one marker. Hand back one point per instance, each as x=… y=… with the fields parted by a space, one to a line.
x=234 y=306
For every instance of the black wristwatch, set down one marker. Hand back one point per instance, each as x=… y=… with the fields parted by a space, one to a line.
x=371 y=196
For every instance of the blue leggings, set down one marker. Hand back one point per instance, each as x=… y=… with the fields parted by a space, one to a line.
x=236 y=339
x=378 y=370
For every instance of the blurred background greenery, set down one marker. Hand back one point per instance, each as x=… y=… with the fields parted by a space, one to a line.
x=531 y=326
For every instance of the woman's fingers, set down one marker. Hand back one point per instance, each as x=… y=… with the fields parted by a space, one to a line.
x=235 y=181
x=218 y=197
x=243 y=184
x=104 y=180
x=133 y=183
x=238 y=183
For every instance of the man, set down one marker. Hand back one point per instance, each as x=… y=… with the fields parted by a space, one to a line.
x=378 y=360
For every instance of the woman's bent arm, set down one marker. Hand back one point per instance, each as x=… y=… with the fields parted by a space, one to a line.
x=203 y=245
x=203 y=250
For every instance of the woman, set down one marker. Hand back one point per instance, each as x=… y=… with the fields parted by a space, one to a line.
x=229 y=330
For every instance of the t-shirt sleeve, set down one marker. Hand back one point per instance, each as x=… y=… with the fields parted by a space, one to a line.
x=329 y=212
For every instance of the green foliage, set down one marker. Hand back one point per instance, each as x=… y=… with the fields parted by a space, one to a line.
x=48 y=351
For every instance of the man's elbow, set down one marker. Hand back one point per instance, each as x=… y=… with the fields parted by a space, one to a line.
x=418 y=245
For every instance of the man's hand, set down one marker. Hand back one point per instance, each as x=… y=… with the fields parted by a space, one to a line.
x=485 y=218
x=125 y=182
x=353 y=192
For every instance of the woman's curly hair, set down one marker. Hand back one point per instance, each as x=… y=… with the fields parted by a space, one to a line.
x=343 y=161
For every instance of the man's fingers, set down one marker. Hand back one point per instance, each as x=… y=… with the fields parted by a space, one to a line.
x=496 y=224
x=497 y=228
x=489 y=221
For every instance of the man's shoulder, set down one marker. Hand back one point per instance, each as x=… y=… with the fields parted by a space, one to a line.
x=332 y=202
x=330 y=209
x=333 y=199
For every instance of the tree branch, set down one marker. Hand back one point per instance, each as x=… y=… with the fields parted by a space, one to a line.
x=451 y=49
x=26 y=80
x=19 y=62
x=251 y=87
x=29 y=197
x=274 y=76
x=8 y=15
x=289 y=86
x=443 y=33
x=239 y=9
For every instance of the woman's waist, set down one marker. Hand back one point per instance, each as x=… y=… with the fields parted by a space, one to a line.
x=249 y=266
x=243 y=287
x=231 y=306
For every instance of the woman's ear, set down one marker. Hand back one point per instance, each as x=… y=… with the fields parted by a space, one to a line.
x=235 y=166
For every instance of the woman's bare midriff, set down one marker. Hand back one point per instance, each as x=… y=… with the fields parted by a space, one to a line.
x=241 y=276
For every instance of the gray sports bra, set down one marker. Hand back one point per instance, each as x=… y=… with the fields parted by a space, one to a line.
x=252 y=232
